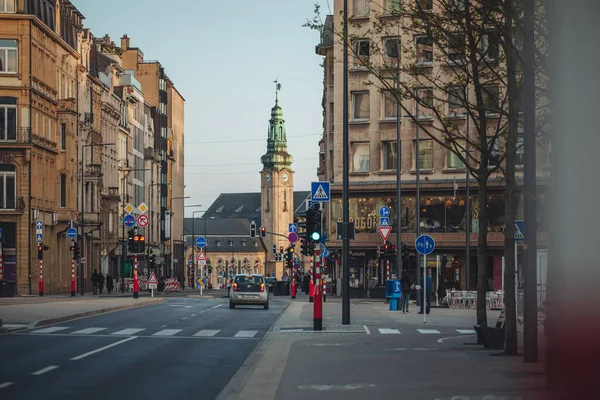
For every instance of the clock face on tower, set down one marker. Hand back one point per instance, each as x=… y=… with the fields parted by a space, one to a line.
x=268 y=178
x=284 y=178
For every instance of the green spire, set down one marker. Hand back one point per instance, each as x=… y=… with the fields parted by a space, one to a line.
x=277 y=156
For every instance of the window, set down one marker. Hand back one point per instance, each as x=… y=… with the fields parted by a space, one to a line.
x=424 y=104
x=8 y=56
x=8 y=187
x=425 y=154
x=391 y=54
x=489 y=45
x=360 y=157
x=8 y=118
x=520 y=160
x=8 y=6
x=390 y=105
x=331 y=75
x=457 y=148
x=63 y=191
x=424 y=4
x=456 y=101
x=491 y=99
x=361 y=52
x=456 y=47
x=361 y=8
x=389 y=155
x=424 y=50
x=493 y=145
x=360 y=106
x=392 y=6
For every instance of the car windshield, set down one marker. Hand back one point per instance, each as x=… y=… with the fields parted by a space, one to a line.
x=248 y=280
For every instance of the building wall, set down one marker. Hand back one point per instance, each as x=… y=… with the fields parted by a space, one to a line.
x=176 y=113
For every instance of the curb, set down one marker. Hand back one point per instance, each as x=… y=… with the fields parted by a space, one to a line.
x=234 y=388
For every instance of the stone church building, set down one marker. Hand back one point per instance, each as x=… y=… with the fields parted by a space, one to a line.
x=226 y=223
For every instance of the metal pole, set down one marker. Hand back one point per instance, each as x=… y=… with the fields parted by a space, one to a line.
x=346 y=183
x=418 y=183
x=124 y=241
x=467 y=200
x=424 y=288
x=81 y=264
x=318 y=298
x=530 y=350
x=398 y=173
x=193 y=249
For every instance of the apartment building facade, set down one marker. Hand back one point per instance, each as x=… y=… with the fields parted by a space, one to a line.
x=374 y=154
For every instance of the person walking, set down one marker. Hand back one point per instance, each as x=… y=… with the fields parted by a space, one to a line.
x=428 y=291
x=109 y=283
x=406 y=285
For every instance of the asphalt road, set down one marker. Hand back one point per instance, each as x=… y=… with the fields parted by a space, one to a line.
x=178 y=349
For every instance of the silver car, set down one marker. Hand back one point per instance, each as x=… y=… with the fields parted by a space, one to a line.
x=249 y=289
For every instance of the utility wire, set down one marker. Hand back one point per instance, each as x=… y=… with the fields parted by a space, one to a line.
x=248 y=140
x=253 y=163
x=237 y=173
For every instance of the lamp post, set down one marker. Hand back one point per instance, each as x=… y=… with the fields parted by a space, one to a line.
x=82 y=234
x=170 y=236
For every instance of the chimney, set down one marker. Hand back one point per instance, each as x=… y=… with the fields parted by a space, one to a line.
x=124 y=42
x=106 y=39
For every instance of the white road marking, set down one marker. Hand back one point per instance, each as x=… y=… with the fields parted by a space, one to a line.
x=129 y=331
x=429 y=331
x=88 y=331
x=179 y=305
x=207 y=332
x=167 y=332
x=6 y=384
x=466 y=331
x=411 y=349
x=185 y=318
x=14 y=326
x=367 y=329
x=44 y=370
x=246 y=334
x=217 y=306
x=442 y=340
x=52 y=329
x=193 y=315
x=89 y=353
x=386 y=331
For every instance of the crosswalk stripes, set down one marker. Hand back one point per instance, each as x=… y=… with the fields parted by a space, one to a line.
x=207 y=333
x=52 y=329
x=245 y=334
x=88 y=331
x=466 y=331
x=148 y=332
x=129 y=331
x=386 y=331
x=429 y=331
x=167 y=332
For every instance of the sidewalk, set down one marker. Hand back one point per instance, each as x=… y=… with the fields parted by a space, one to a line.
x=344 y=362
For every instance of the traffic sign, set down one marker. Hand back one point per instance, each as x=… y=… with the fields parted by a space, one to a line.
x=200 y=241
x=39 y=226
x=152 y=281
x=128 y=208
x=425 y=244
x=319 y=191
x=293 y=228
x=142 y=220
x=293 y=237
x=385 y=231
x=325 y=252
x=519 y=231
x=0 y=233
x=71 y=233
x=384 y=221
x=384 y=211
x=143 y=207
x=201 y=256
x=129 y=220
x=199 y=280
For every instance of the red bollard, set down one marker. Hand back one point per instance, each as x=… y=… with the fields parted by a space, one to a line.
x=41 y=277
x=72 y=278
x=311 y=290
x=293 y=288
x=318 y=301
x=136 y=283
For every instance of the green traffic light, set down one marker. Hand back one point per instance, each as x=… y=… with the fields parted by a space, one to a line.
x=315 y=236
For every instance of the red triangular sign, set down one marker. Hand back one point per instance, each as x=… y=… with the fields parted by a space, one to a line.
x=152 y=280
x=385 y=231
x=201 y=256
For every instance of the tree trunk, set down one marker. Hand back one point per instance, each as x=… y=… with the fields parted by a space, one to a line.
x=510 y=198
x=482 y=283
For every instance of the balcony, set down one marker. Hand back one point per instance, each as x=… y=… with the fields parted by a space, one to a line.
x=149 y=153
x=111 y=193
x=43 y=142
x=67 y=105
x=12 y=203
x=12 y=134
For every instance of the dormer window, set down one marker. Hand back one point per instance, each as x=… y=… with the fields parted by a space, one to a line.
x=220 y=209
x=218 y=243
x=230 y=242
x=256 y=243
x=243 y=243
x=239 y=209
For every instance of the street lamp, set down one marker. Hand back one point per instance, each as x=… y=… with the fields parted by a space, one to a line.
x=83 y=252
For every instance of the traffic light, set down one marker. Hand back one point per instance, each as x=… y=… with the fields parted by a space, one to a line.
x=263 y=231
x=313 y=224
x=253 y=229
x=40 y=251
x=75 y=249
x=142 y=244
x=386 y=249
x=301 y=221
x=304 y=247
x=131 y=243
x=290 y=257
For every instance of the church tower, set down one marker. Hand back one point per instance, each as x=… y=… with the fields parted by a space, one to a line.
x=276 y=188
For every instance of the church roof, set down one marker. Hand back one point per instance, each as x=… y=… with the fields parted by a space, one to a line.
x=223 y=235
x=244 y=205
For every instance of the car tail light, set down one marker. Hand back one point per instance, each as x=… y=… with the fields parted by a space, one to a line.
x=262 y=287
x=235 y=287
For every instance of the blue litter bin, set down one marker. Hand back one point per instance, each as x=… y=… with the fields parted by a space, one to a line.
x=393 y=291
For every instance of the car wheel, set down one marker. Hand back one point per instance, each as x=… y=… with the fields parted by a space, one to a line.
x=231 y=305
x=267 y=306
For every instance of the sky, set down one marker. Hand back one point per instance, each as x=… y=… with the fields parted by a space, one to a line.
x=223 y=57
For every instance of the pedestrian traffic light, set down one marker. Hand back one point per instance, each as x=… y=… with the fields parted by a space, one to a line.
x=40 y=251
x=141 y=244
x=313 y=224
x=263 y=231
x=253 y=229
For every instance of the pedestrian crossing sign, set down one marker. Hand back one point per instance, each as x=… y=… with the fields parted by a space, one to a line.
x=519 y=231
x=320 y=191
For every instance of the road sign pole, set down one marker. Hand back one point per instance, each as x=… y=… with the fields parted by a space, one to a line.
x=318 y=299
x=424 y=288
x=136 y=283
x=72 y=278
x=41 y=277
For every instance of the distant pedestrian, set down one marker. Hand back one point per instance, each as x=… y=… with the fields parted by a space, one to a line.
x=109 y=283
x=95 y=282
x=406 y=289
x=428 y=292
x=100 y=282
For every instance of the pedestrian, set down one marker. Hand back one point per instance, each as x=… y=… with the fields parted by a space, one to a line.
x=95 y=282
x=406 y=289
x=109 y=283
x=100 y=282
x=428 y=291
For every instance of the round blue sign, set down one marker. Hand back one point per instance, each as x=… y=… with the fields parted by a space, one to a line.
x=425 y=244
x=71 y=233
x=384 y=211
x=129 y=220
x=200 y=241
